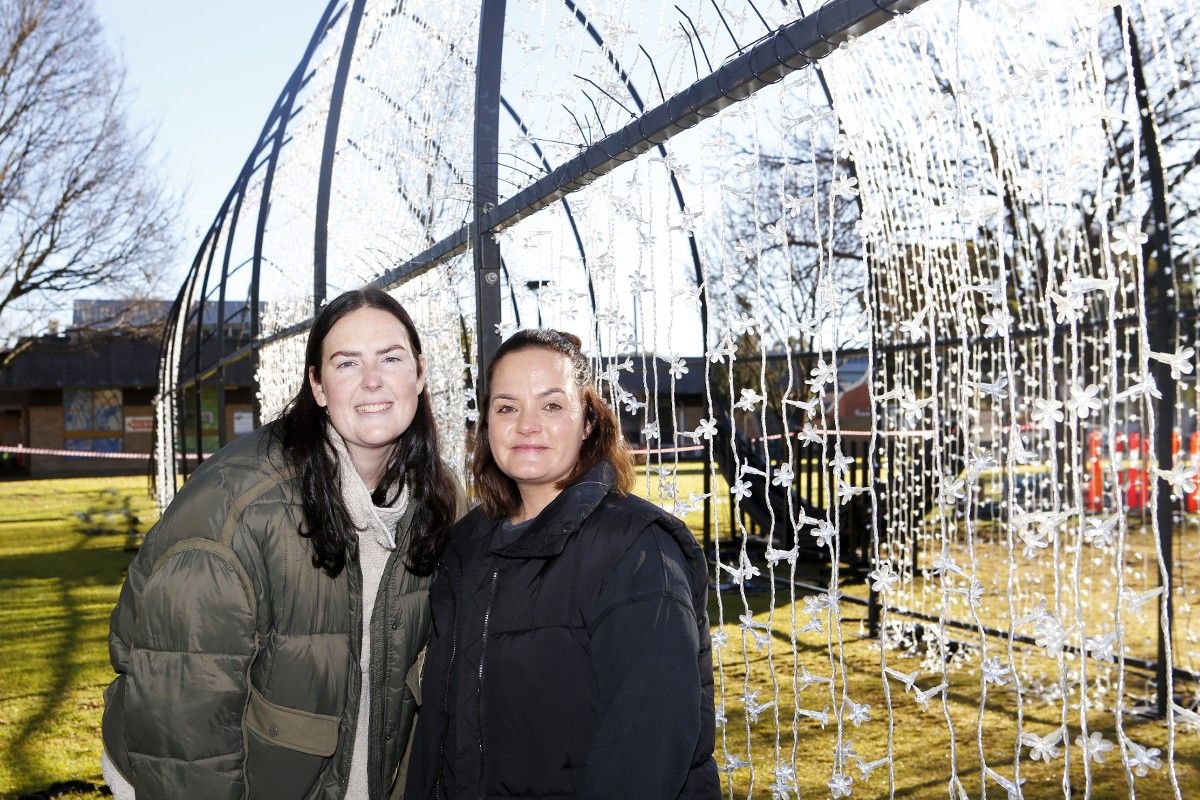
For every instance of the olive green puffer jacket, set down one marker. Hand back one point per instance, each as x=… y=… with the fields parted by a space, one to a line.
x=237 y=660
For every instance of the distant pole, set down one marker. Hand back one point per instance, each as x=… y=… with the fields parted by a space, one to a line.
x=1163 y=334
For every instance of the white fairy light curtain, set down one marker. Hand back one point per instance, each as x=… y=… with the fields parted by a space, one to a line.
x=893 y=335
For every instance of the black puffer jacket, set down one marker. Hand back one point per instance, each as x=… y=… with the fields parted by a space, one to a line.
x=573 y=662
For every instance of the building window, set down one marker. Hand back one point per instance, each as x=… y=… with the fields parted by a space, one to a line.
x=93 y=420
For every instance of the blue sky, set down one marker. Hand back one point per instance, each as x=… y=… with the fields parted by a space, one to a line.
x=204 y=76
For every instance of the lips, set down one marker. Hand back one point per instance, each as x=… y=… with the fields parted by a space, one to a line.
x=372 y=408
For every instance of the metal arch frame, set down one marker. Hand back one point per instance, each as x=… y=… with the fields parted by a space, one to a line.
x=329 y=153
x=281 y=114
x=513 y=114
x=789 y=48
x=676 y=189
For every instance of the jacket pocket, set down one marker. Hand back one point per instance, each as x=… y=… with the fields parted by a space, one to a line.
x=286 y=748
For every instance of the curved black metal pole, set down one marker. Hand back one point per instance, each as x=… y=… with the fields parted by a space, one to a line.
x=284 y=104
x=487 y=193
x=851 y=167
x=167 y=367
x=676 y=189
x=235 y=215
x=325 y=177
x=197 y=387
x=587 y=269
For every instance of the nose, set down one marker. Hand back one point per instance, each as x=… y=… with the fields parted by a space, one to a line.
x=372 y=378
x=528 y=422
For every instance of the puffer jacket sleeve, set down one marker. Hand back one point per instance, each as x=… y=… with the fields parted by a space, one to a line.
x=644 y=645
x=182 y=639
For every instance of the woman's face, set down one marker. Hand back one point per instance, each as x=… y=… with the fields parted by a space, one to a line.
x=369 y=380
x=536 y=420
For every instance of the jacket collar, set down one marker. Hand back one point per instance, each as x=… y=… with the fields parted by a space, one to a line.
x=548 y=533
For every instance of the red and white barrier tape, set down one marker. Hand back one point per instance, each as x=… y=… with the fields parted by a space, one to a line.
x=43 y=451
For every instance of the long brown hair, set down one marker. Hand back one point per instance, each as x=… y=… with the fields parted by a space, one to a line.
x=498 y=494
x=416 y=461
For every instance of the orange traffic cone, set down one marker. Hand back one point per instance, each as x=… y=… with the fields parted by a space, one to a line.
x=1095 y=488
x=1135 y=493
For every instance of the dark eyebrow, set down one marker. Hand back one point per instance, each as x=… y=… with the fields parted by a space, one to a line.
x=357 y=354
x=544 y=393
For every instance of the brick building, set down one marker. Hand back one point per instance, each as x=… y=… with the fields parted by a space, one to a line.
x=92 y=389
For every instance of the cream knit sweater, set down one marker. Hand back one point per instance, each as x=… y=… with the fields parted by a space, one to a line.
x=376 y=541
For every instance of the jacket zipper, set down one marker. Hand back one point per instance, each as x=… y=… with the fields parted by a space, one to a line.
x=354 y=576
x=437 y=784
x=487 y=615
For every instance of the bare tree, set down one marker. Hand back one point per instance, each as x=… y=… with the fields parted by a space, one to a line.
x=79 y=207
x=796 y=224
x=1172 y=100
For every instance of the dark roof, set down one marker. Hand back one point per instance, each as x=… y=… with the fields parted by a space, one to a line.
x=690 y=383
x=96 y=360
x=851 y=371
x=110 y=314
x=235 y=311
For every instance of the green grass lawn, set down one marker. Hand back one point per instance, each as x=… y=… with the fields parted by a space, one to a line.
x=60 y=575
x=921 y=738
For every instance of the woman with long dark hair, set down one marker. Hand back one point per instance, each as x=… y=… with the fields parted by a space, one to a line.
x=265 y=636
x=570 y=650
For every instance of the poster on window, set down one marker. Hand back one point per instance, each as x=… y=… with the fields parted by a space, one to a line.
x=243 y=422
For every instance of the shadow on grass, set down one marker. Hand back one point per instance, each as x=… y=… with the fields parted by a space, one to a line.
x=759 y=602
x=67 y=571
x=67 y=789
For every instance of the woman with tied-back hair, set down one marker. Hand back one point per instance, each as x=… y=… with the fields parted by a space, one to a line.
x=570 y=651
x=265 y=636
